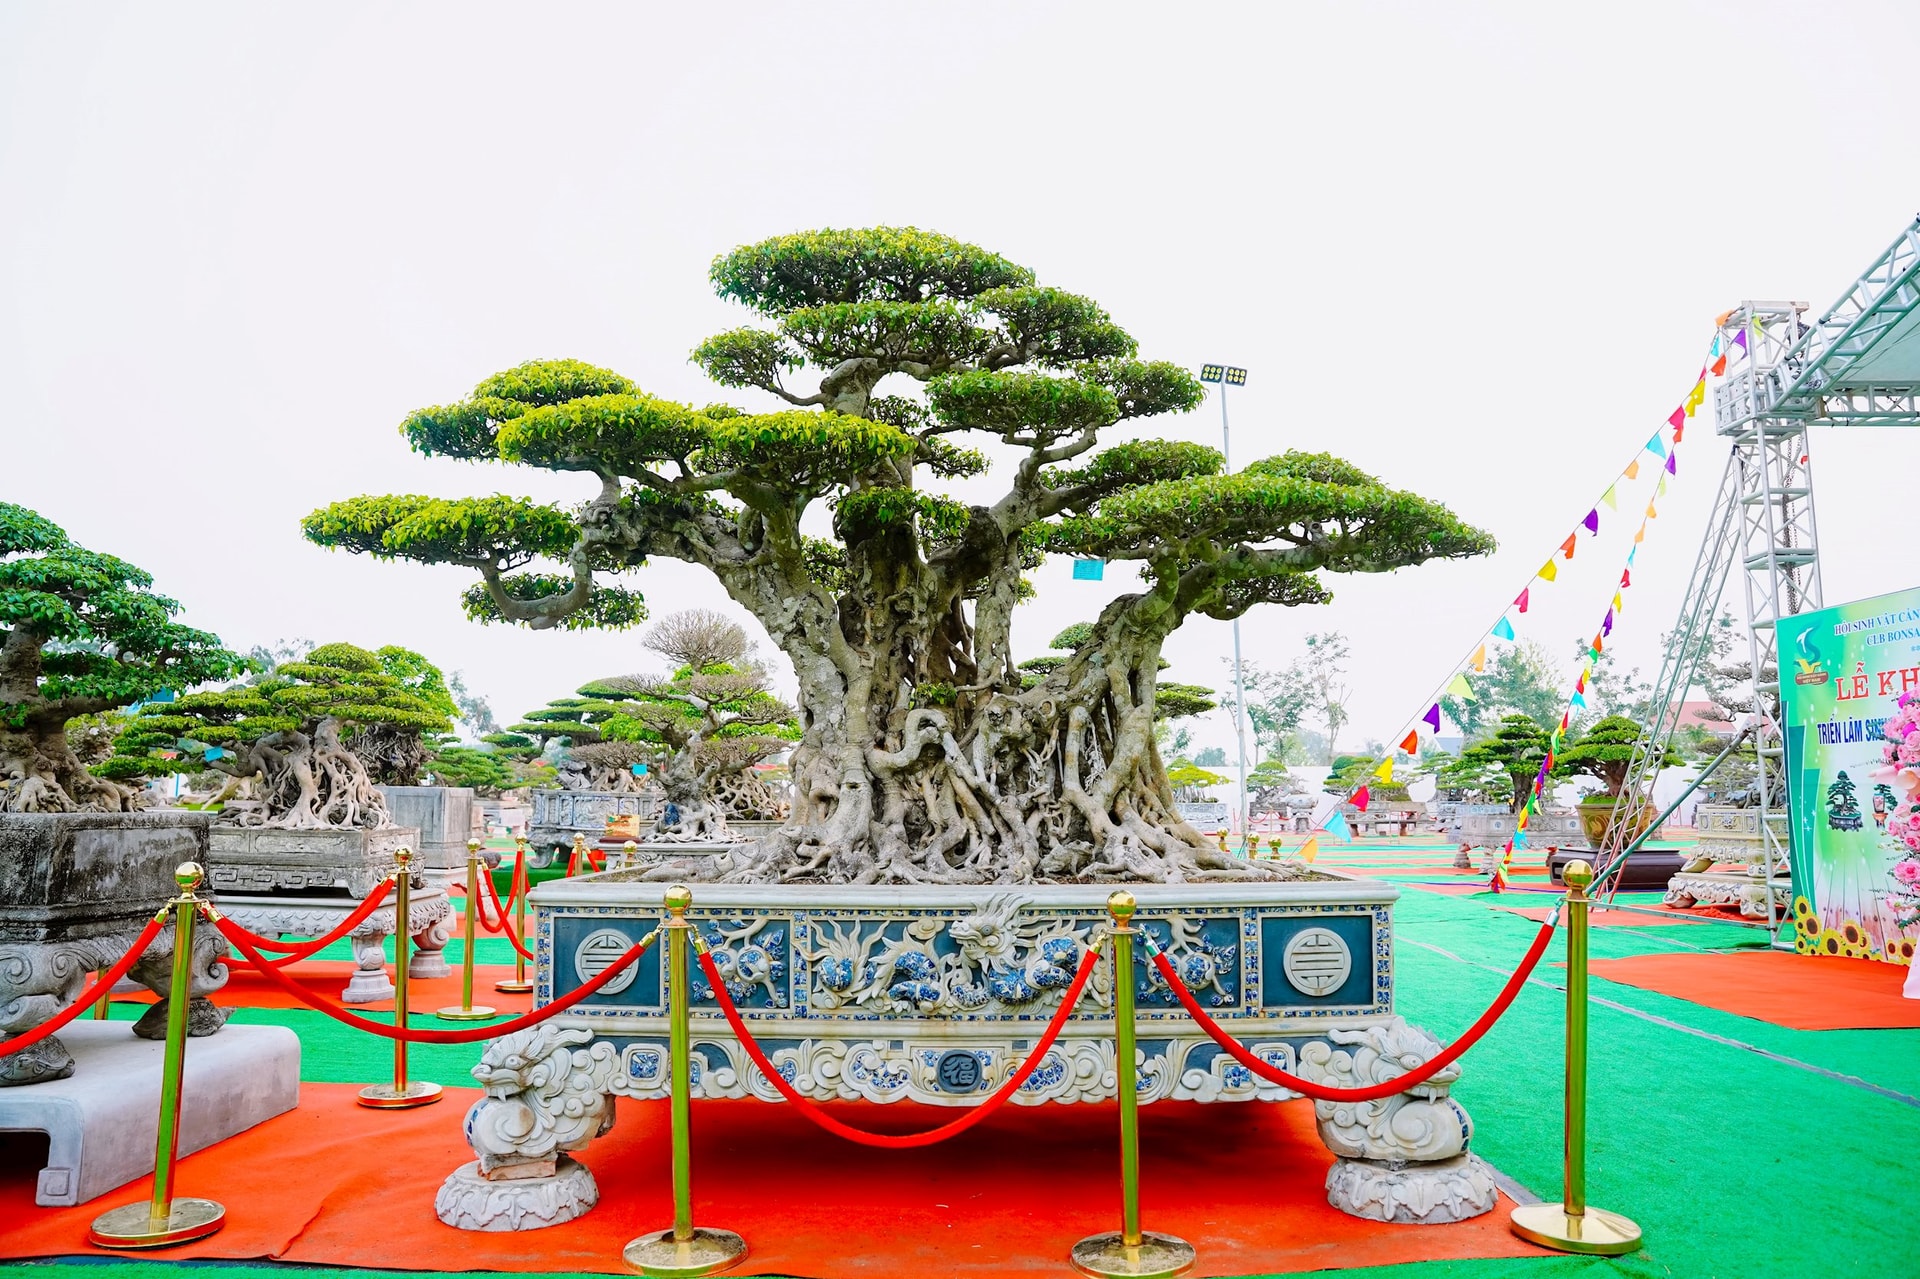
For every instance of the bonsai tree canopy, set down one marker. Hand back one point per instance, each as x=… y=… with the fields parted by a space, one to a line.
x=80 y=633
x=293 y=732
x=1605 y=751
x=1516 y=748
x=923 y=755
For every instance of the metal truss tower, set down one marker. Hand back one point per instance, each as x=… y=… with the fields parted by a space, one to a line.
x=1857 y=365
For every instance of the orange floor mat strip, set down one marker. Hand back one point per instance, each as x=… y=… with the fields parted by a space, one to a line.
x=1804 y=992
x=335 y=1184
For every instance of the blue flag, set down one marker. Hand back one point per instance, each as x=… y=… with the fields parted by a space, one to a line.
x=1088 y=570
x=1337 y=826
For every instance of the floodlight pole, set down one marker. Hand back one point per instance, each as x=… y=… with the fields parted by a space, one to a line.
x=1239 y=684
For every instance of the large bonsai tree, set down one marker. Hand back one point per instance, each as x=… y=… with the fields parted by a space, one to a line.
x=922 y=757
x=1605 y=751
x=292 y=733
x=395 y=751
x=80 y=633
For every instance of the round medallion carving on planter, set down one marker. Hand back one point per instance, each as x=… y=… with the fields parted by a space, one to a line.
x=1316 y=962
x=958 y=1071
x=597 y=952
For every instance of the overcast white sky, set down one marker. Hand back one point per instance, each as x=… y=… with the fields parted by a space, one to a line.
x=1477 y=249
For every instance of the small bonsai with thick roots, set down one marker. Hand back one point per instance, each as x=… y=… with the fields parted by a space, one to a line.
x=922 y=758
x=291 y=735
x=80 y=633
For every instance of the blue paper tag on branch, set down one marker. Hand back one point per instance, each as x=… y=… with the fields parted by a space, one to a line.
x=1088 y=570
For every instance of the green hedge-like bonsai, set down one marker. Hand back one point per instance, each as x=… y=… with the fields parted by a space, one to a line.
x=1605 y=751
x=922 y=756
x=291 y=733
x=80 y=633
x=1517 y=747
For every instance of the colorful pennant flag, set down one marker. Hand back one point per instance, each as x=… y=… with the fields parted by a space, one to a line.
x=1720 y=367
x=1655 y=447
x=1361 y=798
x=1671 y=468
x=1503 y=629
x=1411 y=742
x=1479 y=663
x=1651 y=514
x=1641 y=536
x=1660 y=490
x=1608 y=498
x=1606 y=623
x=1578 y=699
x=1310 y=849
x=1337 y=826
x=1678 y=418
x=1740 y=338
x=1459 y=687
x=1547 y=572
x=1566 y=547
x=1617 y=606
x=1385 y=771
x=1432 y=717
x=1633 y=469
x=1592 y=522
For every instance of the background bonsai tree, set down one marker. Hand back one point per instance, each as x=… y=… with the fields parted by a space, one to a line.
x=487 y=772
x=291 y=734
x=80 y=634
x=1190 y=782
x=922 y=758
x=1604 y=752
x=1354 y=771
x=711 y=723
x=1515 y=749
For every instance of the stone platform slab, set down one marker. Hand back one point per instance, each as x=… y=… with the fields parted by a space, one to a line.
x=101 y=1121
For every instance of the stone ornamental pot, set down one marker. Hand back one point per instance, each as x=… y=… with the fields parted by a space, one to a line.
x=446 y=817
x=1596 y=819
x=935 y=994
x=76 y=889
x=559 y=815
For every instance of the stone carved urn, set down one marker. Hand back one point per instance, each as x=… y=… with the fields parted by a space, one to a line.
x=1597 y=819
x=76 y=889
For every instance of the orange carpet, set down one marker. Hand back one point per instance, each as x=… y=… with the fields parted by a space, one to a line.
x=327 y=978
x=332 y=1183
x=1805 y=992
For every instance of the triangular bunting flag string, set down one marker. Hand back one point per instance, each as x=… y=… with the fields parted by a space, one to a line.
x=1608 y=500
x=1592 y=522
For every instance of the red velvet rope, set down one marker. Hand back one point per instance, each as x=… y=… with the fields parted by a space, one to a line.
x=1400 y=1083
x=303 y=950
x=100 y=988
x=500 y=908
x=904 y=1141
x=469 y=1036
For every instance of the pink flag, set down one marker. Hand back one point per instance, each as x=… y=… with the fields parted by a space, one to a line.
x=1521 y=600
x=1678 y=418
x=1361 y=798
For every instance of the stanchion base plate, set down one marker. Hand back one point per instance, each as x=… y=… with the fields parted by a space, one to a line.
x=387 y=1097
x=1156 y=1256
x=1599 y=1232
x=511 y=987
x=479 y=1012
x=707 y=1253
x=133 y=1226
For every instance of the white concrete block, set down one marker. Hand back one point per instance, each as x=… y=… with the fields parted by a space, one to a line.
x=102 y=1120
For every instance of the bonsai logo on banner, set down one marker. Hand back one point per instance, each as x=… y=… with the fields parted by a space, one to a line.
x=600 y=950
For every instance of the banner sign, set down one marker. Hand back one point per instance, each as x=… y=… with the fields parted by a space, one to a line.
x=1844 y=672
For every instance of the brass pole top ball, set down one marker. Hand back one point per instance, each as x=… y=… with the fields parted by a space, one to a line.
x=579 y=840
x=1121 y=905
x=1577 y=874
x=188 y=875
x=630 y=847
x=402 y=856
x=473 y=847
x=678 y=897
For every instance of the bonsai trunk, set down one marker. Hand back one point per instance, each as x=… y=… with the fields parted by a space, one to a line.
x=39 y=773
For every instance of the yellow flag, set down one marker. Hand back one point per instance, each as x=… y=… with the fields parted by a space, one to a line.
x=1641 y=536
x=1651 y=513
x=1699 y=392
x=1608 y=498
x=1385 y=771
x=1310 y=849
x=1548 y=572
x=1633 y=469
x=1480 y=658
x=1618 y=607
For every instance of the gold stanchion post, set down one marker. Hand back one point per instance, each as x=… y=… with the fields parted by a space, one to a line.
x=102 y=1005
x=1573 y=1226
x=163 y=1219
x=683 y=1249
x=1130 y=1251
x=402 y=1093
x=578 y=863
x=518 y=885
x=467 y=1011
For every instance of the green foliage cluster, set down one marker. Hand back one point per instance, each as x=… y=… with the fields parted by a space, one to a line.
x=1605 y=751
x=1515 y=750
x=84 y=633
x=340 y=685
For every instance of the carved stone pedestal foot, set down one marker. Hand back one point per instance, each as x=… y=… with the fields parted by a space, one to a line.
x=203 y=1018
x=1422 y=1194
x=469 y=1201
x=37 y=1063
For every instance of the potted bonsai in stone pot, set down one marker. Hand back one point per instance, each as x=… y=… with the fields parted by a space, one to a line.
x=1605 y=751
x=81 y=869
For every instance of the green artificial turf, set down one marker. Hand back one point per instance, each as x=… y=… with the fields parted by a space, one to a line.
x=1735 y=1164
